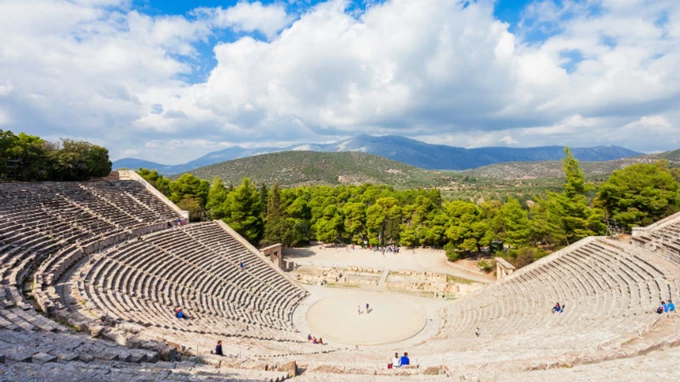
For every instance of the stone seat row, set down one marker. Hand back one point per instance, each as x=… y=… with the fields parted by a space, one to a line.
x=163 y=290
x=607 y=288
x=42 y=228
x=173 y=268
x=151 y=313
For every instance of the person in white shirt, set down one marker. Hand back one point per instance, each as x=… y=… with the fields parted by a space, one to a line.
x=395 y=360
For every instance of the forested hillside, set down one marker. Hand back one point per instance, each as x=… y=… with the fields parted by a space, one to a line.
x=297 y=168
x=634 y=196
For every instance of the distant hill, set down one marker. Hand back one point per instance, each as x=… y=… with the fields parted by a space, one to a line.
x=405 y=150
x=553 y=169
x=442 y=157
x=295 y=168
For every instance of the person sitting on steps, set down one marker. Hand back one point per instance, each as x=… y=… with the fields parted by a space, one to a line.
x=671 y=306
x=662 y=308
x=556 y=308
x=404 y=360
x=218 y=349
x=395 y=360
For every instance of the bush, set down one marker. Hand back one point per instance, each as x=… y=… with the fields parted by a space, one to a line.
x=451 y=252
x=486 y=266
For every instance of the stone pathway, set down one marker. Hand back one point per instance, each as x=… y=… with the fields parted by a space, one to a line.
x=383 y=278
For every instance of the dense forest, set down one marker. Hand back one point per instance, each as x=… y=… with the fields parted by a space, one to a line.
x=27 y=157
x=380 y=215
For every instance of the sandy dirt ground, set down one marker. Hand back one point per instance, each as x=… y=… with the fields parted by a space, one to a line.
x=422 y=260
x=344 y=318
x=332 y=314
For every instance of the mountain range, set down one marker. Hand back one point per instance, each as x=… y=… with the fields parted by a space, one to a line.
x=405 y=150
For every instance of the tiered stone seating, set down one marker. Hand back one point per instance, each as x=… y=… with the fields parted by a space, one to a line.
x=609 y=288
x=47 y=226
x=662 y=238
x=195 y=267
x=43 y=356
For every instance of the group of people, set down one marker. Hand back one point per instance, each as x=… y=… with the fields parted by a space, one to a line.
x=314 y=340
x=558 y=308
x=359 y=311
x=389 y=248
x=666 y=307
x=399 y=361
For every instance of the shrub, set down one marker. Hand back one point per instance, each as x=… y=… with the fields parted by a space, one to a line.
x=451 y=252
x=486 y=266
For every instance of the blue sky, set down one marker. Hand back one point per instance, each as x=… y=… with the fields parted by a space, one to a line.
x=163 y=81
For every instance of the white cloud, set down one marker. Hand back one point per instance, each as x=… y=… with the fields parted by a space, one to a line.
x=431 y=69
x=250 y=17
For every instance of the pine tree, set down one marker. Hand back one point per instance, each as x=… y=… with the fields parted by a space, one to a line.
x=277 y=228
x=263 y=199
x=217 y=195
x=516 y=224
x=571 y=218
x=243 y=211
x=639 y=194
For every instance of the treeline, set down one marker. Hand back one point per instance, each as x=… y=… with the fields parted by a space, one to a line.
x=377 y=214
x=30 y=158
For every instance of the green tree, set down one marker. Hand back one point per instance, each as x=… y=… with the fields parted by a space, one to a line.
x=571 y=217
x=328 y=228
x=355 y=221
x=639 y=195
x=516 y=224
x=278 y=229
x=466 y=230
x=157 y=180
x=243 y=211
x=217 y=196
x=383 y=220
x=189 y=186
x=30 y=156
x=264 y=195
x=194 y=208
x=77 y=160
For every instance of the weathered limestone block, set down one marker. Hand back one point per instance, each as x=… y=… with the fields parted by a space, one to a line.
x=96 y=330
x=290 y=368
x=43 y=358
x=117 y=337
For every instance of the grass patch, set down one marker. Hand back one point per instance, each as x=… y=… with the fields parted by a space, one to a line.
x=336 y=285
x=458 y=280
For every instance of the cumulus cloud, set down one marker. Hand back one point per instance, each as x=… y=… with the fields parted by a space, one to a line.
x=571 y=72
x=250 y=17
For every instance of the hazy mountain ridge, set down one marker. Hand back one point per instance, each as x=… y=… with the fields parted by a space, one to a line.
x=553 y=169
x=405 y=150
